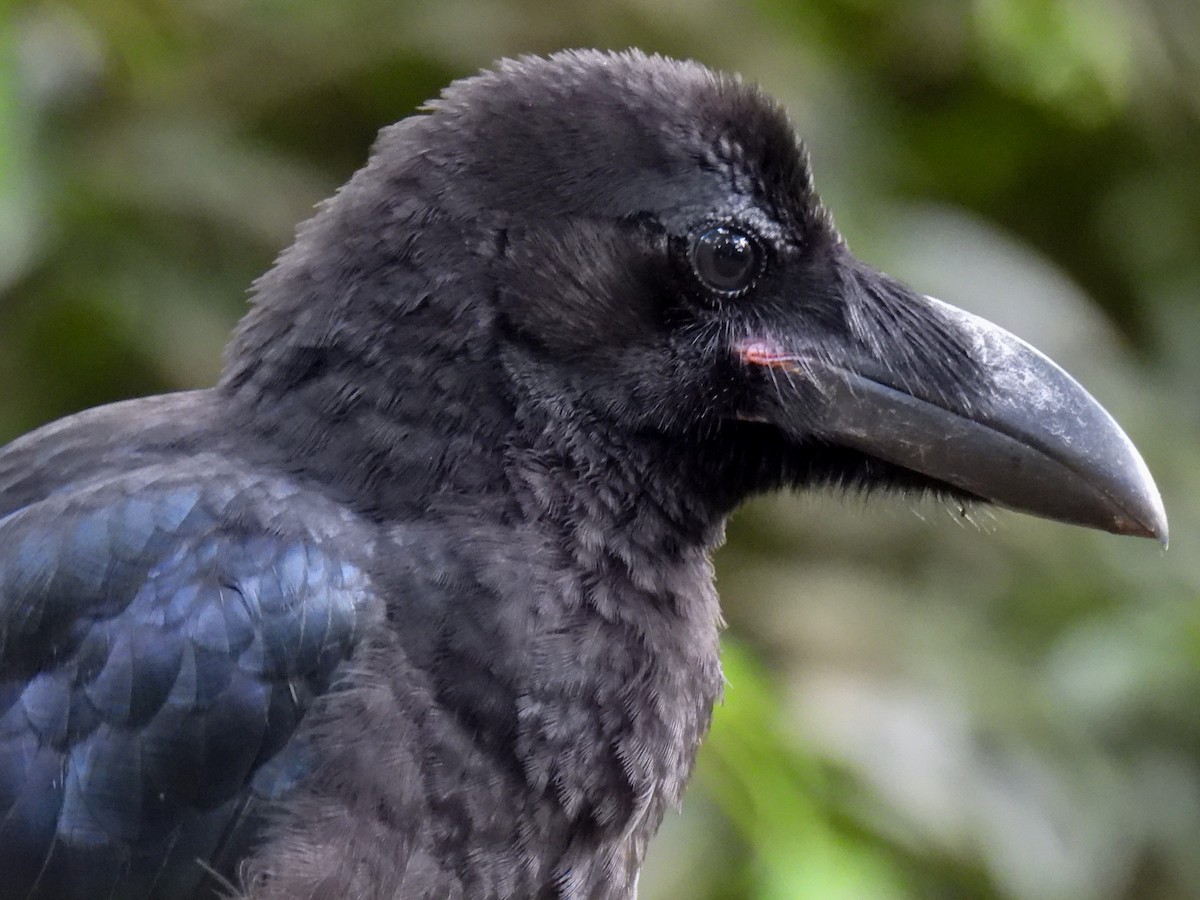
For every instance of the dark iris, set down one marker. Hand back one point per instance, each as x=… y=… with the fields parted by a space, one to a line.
x=725 y=259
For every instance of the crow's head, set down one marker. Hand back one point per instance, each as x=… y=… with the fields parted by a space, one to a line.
x=637 y=241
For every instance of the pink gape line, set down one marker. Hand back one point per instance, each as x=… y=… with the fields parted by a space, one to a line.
x=766 y=354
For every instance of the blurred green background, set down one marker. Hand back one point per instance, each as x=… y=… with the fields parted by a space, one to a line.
x=916 y=708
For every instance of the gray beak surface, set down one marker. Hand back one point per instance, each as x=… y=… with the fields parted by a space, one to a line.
x=1036 y=442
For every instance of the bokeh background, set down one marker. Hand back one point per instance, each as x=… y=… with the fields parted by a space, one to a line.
x=917 y=707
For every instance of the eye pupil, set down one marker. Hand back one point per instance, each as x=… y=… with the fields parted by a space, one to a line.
x=725 y=259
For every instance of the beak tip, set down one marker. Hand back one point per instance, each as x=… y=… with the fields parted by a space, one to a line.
x=1158 y=527
x=1151 y=523
x=1136 y=504
x=1144 y=514
x=1135 y=528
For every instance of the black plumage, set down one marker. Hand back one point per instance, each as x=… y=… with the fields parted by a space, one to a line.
x=417 y=601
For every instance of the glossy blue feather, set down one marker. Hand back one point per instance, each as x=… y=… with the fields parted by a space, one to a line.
x=162 y=633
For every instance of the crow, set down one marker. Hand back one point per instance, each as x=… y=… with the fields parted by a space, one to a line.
x=417 y=601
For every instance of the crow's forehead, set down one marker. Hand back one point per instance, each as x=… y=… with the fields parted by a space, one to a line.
x=610 y=134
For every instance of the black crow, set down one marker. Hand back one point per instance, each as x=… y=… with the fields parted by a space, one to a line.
x=417 y=601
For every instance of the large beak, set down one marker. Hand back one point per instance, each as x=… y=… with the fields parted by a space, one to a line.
x=1035 y=441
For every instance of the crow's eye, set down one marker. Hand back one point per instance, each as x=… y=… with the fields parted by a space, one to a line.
x=726 y=259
